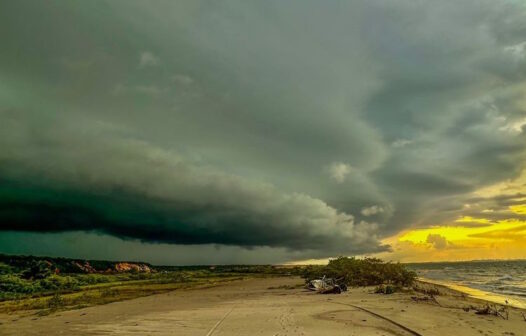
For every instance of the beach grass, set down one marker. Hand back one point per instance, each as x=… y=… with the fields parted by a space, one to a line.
x=106 y=293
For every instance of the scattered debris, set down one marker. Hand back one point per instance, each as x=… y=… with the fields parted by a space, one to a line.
x=427 y=298
x=420 y=298
x=327 y=286
x=433 y=291
x=493 y=310
x=386 y=289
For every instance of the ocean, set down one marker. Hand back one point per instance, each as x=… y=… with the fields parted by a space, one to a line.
x=497 y=281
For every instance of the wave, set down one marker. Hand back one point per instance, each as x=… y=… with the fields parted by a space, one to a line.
x=494 y=281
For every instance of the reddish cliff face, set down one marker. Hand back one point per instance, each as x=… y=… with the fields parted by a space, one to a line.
x=129 y=267
x=118 y=267
x=86 y=268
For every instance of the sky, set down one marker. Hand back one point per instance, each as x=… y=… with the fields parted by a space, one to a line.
x=215 y=132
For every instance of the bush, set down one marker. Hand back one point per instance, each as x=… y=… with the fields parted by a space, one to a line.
x=93 y=279
x=5 y=269
x=12 y=284
x=386 y=289
x=57 y=282
x=38 y=270
x=362 y=272
x=55 y=302
x=109 y=292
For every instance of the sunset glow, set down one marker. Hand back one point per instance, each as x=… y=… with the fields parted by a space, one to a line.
x=505 y=239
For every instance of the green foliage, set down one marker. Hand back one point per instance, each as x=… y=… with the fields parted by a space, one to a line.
x=362 y=272
x=5 y=269
x=11 y=283
x=386 y=289
x=38 y=269
x=55 y=302
x=109 y=292
x=93 y=279
x=32 y=265
x=28 y=276
x=58 y=282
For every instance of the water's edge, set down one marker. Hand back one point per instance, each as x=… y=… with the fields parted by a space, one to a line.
x=477 y=293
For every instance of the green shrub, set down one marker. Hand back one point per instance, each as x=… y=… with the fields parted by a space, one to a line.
x=93 y=279
x=58 y=282
x=362 y=272
x=5 y=269
x=109 y=292
x=55 y=302
x=38 y=270
x=10 y=283
x=386 y=289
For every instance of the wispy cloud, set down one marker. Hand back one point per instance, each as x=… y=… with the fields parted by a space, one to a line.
x=338 y=171
x=147 y=59
x=372 y=210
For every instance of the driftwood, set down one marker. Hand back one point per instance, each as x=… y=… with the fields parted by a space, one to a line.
x=420 y=298
x=427 y=298
x=493 y=310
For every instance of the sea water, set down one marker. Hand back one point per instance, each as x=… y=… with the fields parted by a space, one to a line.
x=497 y=281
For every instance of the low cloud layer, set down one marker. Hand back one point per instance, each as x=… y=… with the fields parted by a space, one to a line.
x=311 y=128
x=97 y=180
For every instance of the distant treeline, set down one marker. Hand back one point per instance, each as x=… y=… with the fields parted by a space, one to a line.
x=30 y=276
x=17 y=264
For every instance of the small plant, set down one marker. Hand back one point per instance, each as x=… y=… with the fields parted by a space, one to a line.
x=379 y=289
x=109 y=292
x=428 y=291
x=55 y=302
x=386 y=289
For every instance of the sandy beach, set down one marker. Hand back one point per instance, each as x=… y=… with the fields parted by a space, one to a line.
x=272 y=306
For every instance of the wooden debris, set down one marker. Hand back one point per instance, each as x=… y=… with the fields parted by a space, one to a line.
x=420 y=298
x=493 y=310
x=427 y=298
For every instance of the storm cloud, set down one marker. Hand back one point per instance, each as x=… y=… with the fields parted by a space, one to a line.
x=129 y=188
x=310 y=129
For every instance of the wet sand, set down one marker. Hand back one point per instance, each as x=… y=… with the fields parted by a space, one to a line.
x=253 y=307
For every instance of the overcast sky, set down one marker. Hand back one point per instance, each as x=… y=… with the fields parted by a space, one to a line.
x=192 y=131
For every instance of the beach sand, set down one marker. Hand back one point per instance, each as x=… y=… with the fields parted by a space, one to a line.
x=273 y=306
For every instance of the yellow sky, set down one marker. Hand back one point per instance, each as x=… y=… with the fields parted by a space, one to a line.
x=505 y=239
x=466 y=237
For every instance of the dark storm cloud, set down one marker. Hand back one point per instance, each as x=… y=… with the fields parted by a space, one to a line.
x=128 y=188
x=258 y=124
x=451 y=72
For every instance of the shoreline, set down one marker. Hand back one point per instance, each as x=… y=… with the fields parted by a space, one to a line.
x=475 y=294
